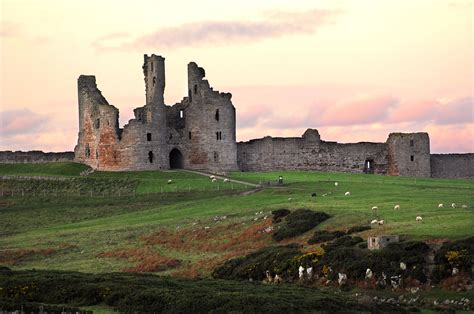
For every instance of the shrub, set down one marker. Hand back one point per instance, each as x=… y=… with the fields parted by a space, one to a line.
x=298 y=222
x=277 y=260
x=457 y=254
x=278 y=214
x=356 y=229
x=324 y=236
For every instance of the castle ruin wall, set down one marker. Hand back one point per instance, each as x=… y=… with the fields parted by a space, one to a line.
x=452 y=166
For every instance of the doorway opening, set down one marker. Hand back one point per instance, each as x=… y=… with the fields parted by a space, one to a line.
x=369 y=166
x=176 y=159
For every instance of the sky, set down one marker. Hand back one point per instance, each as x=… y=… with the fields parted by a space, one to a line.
x=354 y=70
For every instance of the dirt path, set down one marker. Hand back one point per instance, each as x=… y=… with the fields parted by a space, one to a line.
x=222 y=177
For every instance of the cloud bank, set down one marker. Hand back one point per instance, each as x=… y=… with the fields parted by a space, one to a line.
x=219 y=33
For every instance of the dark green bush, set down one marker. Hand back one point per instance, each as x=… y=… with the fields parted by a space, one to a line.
x=457 y=254
x=276 y=259
x=140 y=293
x=324 y=236
x=356 y=229
x=278 y=214
x=298 y=222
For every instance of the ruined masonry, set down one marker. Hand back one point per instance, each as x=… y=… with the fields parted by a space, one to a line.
x=200 y=133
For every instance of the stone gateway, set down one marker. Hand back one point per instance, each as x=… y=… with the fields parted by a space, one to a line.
x=200 y=133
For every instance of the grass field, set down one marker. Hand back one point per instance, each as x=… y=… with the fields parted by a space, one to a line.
x=201 y=226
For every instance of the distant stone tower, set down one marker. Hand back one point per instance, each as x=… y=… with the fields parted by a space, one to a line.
x=409 y=154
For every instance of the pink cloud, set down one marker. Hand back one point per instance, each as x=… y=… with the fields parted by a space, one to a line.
x=412 y=111
x=274 y=25
x=361 y=109
x=21 y=121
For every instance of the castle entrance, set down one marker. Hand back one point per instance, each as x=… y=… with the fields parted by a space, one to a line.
x=369 y=166
x=176 y=159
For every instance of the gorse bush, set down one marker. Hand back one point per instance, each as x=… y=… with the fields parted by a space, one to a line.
x=139 y=293
x=324 y=236
x=457 y=254
x=298 y=222
x=278 y=214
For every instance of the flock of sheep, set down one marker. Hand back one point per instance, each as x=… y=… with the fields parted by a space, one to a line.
x=213 y=179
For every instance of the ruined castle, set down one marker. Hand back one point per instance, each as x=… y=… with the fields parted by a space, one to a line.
x=200 y=133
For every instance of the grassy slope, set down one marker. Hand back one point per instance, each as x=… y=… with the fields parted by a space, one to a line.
x=81 y=228
x=43 y=169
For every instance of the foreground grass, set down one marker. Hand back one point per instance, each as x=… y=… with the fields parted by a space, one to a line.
x=72 y=232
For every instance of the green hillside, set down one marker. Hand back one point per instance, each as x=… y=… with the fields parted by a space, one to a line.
x=102 y=233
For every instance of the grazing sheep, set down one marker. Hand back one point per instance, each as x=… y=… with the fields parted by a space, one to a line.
x=381 y=222
x=375 y=208
x=419 y=218
x=214 y=180
x=277 y=279
x=347 y=193
x=441 y=205
x=342 y=278
x=336 y=184
x=396 y=207
x=301 y=272
x=464 y=206
x=374 y=221
x=170 y=181
x=325 y=194
x=289 y=198
x=269 y=278
x=403 y=266
x=226 y=180
x=212 y=177
x=368 y=273
x=453 y=205
x=309 y=272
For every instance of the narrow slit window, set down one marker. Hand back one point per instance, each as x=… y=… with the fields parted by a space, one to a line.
x=217 y=115
x=150 y=157
x=151 y=63
x=412 y=158
x=412 y=143
x=148 y=137
x=216 y=157
x=217 y=135
x=171 y=135
x=154 y=80
x=195 y=89
x=181 y=114
x=88 y=151
x=189 y=134
x=97 y=123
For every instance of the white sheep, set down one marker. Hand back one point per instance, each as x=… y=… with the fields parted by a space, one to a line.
x=170 y=181
x=453 y=205
x=347 y=193
x=464 y=206
x=289 y=198
x=214 y=180
x=368 y=273
x=440 y=205
x=336 y=184
x=301 y=272
x=375 y=208
x=403 y=266
x=374 y=221
x=309 y=272
x=419 y=218
x=396 y=207
x=381 y=222
x=212 y=177
x=277 y=279
x=269 y=277
x=226 y=180
x=342 y=278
